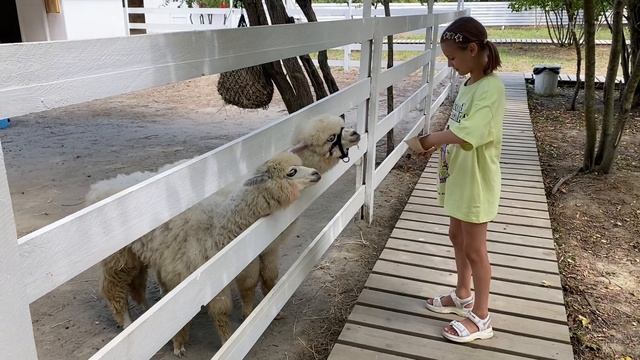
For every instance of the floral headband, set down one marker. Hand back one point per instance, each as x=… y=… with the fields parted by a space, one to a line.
x=449 y=35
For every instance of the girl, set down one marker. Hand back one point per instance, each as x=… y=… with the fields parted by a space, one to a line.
x=469 y=174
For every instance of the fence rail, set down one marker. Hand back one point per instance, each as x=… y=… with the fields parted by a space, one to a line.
x=42 y=76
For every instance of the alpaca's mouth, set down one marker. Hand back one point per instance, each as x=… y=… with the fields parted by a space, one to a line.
x=316 y=177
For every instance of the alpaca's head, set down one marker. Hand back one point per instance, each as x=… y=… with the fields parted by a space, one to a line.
x=326 y=137
x=283 y=176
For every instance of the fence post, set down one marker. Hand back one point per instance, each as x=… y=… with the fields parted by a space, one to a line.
x=364 y=72
x=16 y=341
x=347 y=48
x=371 y=123
x=429 y=70
x=454 y=79
x=127 y=28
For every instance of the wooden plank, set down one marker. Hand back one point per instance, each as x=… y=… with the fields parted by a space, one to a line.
x=509 y=154
x=347 y=352
x=507 y=192
x=503 y=209
x=510 y=186
x=512 y=182
x=498 y=272
x=507 y=173
x=521 y=250
x=413 y=346
x=492 y=226
x=526 y=162
x=537 y=173
x=491 y=235
x=507 y=179
x=432 y=328
x=521 y=138
x=534 y=166
x=497 y=303
x=515 y=143
x=501 y=218
x=517 y=262
x=506 y=199
x=501 y=322
x=449 y=278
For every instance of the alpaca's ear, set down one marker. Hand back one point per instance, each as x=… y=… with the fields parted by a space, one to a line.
x=298 y=148
x=258 y=179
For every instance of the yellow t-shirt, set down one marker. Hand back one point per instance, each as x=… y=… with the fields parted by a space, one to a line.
x=469 y=174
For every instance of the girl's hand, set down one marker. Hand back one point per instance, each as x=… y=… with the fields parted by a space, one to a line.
x=428 y=153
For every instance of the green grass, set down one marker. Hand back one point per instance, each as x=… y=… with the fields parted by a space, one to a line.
x=524 y=32
x=524 y=57
x=516 y=57
x=531 y=32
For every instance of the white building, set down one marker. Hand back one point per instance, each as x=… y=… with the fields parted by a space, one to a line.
x=44 y=20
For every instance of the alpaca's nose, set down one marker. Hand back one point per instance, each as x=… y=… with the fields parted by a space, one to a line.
x=316 y=176
x=355 y=135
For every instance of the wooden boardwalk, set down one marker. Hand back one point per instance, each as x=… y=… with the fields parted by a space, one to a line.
x=389 y=320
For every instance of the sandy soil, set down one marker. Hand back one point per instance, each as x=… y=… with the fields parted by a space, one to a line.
x=52 y=157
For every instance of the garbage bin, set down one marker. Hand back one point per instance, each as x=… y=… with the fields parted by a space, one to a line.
x=546 y=79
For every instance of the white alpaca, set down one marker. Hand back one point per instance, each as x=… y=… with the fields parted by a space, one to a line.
x=322 y=144
x=184 y=243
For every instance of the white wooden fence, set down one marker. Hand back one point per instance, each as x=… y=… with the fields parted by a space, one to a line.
x=494 y=13
x=42 y=76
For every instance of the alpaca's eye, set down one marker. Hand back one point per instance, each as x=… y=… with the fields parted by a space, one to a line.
x=292 y=172
x=332 y=138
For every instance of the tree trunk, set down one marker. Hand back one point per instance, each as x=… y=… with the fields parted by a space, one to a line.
x=312 y=73
x=571 y=14
x=627 y=101
x=257 y=17
x=606 y=134
x=323 y=60
x=136 y=18
x=390 y=105
x=589 y=88
x=278 y=15
x=633 y=14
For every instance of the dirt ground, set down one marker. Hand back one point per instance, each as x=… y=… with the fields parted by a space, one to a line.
x=52 y=158
x=596 y=224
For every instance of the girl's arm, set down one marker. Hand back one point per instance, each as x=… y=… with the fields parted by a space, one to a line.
x=440 y=138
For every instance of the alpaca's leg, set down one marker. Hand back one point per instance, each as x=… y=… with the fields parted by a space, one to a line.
x=138 y=286
x=115 y=289
x=269 y=268
x=247 y=281
x=182 y=337
x=220 y=308
x=180 y=340
x=269 y=271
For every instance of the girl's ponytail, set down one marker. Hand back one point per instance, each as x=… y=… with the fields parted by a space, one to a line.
x=493 y=57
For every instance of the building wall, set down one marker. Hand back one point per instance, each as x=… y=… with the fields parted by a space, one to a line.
x=79 y=19
x=33 y=20
x=90 y=19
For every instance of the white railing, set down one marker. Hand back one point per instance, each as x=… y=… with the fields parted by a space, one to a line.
x=158 y=20
x=41 y=76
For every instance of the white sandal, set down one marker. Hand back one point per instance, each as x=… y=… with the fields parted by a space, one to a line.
x=485 y=331
x=460 y=305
